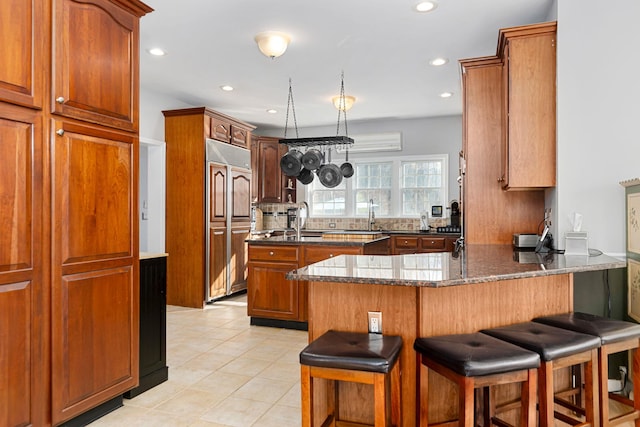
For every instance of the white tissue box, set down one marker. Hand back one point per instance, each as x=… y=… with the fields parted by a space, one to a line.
x=576 y=243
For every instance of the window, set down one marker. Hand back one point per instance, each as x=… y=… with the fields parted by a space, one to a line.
x=401 y=187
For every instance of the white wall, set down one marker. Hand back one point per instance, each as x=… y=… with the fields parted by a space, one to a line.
x=152 y=169
x=598 y=116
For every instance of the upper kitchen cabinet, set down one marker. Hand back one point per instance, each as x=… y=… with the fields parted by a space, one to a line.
x=227 y=129
x=529 y=96
x=271 y=186
x=95 y=61
x=24 y=42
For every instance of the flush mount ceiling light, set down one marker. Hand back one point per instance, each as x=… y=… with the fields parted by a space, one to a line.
x=343 y=103
x=156 y=51
x=436 y=62
x=272 y=43
x=426 y=6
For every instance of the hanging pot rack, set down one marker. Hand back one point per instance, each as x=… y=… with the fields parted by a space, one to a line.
x=319 y=141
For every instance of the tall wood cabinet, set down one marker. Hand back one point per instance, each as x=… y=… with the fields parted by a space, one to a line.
x=68 y=186
x=492 y=127
x=271 y=185
x=198 y=237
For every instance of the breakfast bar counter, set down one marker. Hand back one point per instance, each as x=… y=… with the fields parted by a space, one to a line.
x=482 y=286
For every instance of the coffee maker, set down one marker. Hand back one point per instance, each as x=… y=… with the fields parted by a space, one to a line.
x=291 y=217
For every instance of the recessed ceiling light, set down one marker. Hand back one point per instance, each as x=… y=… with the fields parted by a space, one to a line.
x=446 y=94
x=226 y=88
x=436 y=62
x=272 y=111
x=426 y=6
x=156 y=51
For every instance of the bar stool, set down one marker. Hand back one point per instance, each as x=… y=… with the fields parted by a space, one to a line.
x=473 y=361
x=616 y=336
x=558 y=348
x=354 y=357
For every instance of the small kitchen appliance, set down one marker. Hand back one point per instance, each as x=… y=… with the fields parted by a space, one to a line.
x=525 y=241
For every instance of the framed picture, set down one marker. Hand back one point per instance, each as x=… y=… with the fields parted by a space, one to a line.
x=633 y=222
x=633 y=283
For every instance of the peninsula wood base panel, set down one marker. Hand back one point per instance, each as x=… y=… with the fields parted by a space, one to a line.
x=424 y=311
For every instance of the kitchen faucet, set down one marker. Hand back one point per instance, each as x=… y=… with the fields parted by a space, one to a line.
x=299 y=222
x=372 y=215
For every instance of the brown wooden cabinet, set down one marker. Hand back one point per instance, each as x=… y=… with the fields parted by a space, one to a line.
x=491 y=215
x=413 y=244
x=529 y=87
x=199 y=268
x=271 y=296
x=68 y=184
x=271 y=185
x=24 y=51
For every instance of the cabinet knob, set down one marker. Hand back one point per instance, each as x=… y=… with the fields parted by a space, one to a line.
x=271 y=253
x=60 y=100
x=330 y=255
x=60 y=132
x=432 y=242
x=405 y=242
x=501 y=179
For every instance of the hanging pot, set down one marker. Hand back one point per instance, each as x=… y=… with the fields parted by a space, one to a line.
x=312 y=159
x=346 y=168
x=291 y=163
x=329 y=174
x=305 y=176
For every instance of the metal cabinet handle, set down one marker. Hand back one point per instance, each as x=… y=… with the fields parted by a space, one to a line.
x=60 y=132
x=60 y=100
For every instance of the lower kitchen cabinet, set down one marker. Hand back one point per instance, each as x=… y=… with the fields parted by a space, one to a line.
x=153 y=368
x=413 y=244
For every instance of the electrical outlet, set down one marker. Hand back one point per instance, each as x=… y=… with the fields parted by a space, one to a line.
x=375 y=322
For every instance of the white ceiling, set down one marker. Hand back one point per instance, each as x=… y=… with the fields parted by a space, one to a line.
x=383 y=47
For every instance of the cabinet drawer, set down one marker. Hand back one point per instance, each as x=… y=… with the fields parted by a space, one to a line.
x=320 y=253
x=432 y=243
x=406 y=242
x=273 y=253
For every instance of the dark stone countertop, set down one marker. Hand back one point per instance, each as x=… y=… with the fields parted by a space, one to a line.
x=474 y=264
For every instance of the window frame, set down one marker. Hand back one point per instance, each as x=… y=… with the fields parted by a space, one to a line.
x=396 y=177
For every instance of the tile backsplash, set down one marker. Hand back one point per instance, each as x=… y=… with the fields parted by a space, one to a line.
x=275 y=218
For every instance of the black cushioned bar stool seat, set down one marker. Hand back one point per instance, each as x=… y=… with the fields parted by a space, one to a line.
x=558 y=348
x=472 y=361
x=615 y=336
x=354 y=357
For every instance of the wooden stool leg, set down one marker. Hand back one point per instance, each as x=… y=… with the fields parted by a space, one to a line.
x=528 y=398
x=603 y=385
x=380 y=400
x=466 y=409
x=306 y=386
x=591 y=406
x=396 y=401
x=545 y=393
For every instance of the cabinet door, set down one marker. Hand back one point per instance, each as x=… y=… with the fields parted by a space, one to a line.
x=217 y=262
x=23 y=290
x=220 y=130
x=254 y=169
x=270 y=177
x=23 y=34
x=217 y=192
x=270 y=294
x=239 y=136
x=531 y=112
x=94 y=263
x=95 y=63
x=241 y=194
x=238 y=262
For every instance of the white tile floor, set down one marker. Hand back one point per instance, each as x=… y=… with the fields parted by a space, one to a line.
x=222 y=373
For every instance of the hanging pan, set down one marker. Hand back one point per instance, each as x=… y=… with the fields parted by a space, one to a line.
x=347 y=168
x=291 y=163
x=329 y=174
x=312 y=159
x=305 y=176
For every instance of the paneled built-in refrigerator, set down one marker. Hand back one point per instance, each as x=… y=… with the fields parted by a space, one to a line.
x=227 y=218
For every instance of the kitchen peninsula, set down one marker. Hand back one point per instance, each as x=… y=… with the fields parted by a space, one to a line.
x=274 y=300
x=431 y=294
